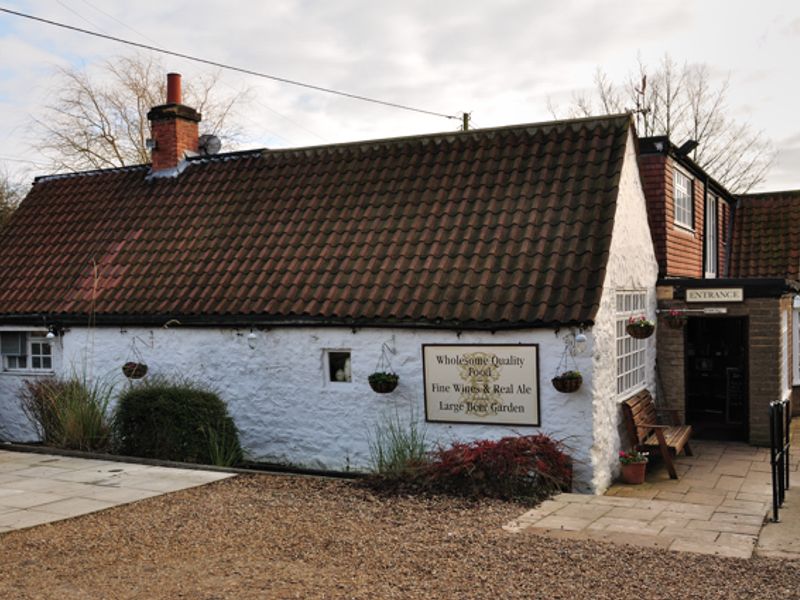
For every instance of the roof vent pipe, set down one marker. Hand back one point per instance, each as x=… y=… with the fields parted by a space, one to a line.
x=173 y=88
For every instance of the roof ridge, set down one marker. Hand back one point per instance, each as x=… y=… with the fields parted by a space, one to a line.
x=89 y=173
x=757 y=195
x=446 y=134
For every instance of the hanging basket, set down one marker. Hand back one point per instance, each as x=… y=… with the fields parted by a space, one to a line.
x=640 y=331
x=567 y=383
x=675 y=320
x=382 y=382
x=134 y=370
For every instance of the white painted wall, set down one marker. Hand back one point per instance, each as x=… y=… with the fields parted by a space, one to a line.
x=632 y=266
x=277 y=390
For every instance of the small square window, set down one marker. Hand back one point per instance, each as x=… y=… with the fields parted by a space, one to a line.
x=339 y=366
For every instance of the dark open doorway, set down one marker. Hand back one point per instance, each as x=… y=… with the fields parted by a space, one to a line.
x=716 y=377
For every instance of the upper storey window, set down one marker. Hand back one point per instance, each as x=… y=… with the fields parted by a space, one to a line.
x=683 y=200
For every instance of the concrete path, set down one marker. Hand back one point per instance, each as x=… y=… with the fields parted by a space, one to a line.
x=719 y=505
x=41 y=488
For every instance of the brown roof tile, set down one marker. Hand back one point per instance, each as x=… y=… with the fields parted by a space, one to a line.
x=766 y=236
x=503 y=227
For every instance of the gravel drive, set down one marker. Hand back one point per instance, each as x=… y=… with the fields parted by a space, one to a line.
x=265 y=536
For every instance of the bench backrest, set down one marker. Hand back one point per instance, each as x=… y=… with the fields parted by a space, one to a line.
x=639 y=409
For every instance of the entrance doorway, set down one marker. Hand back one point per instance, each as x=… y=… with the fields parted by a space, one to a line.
x=716 y=377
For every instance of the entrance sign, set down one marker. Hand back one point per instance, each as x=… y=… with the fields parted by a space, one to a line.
x=486 y=384
x=715 y=295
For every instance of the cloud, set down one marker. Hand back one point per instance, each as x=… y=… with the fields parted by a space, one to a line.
x=500 y=60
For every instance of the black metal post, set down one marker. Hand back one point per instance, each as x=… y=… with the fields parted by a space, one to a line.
x=780 y=421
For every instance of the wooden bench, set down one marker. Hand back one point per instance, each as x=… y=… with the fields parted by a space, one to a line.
x=647 y=435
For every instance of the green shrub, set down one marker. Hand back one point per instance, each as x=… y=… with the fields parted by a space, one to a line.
x=69 y=412
x=397 y=448
x=179 y=421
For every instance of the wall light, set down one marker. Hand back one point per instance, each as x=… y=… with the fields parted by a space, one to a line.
x=580 y=343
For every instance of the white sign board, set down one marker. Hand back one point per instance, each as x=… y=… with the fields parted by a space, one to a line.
x=491 y=384
x=715 y=295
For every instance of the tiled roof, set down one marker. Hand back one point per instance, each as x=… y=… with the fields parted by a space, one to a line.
x=766 y=236
x=503 y=227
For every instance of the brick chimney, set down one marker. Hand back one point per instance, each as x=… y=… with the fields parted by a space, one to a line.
x=173 y=128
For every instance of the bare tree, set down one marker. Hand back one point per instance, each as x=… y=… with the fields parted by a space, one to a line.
x=99 y=121
x=681 y=102
x=10 y=196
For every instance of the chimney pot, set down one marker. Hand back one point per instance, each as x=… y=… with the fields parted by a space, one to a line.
x=173 y=88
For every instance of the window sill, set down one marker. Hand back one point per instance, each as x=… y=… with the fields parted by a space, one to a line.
x=684 y=228
x=29 y=372
x=634 y=390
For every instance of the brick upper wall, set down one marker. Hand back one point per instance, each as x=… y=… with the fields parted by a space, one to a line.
x=679 y=251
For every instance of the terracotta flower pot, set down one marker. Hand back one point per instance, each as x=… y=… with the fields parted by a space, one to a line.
x=634 y=473
x=640 y=332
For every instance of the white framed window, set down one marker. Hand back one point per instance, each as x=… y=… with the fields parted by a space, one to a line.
x=26 y=351
x=337 y=364
x=711 y=237
x=631 y=352
x=796 y=341
x=683 y=196
x=786 y=375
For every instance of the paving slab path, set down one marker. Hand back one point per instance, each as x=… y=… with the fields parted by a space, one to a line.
x=719 y=505
x=42 y=488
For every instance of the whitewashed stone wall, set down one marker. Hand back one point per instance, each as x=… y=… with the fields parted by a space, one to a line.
x=632 y=266
x=277 y=390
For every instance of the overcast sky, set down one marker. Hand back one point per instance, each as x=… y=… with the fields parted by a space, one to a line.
x=500 y=60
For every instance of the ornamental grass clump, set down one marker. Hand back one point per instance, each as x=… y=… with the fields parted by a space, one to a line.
x=398 y=451
x=70 y=412
x=176 y=420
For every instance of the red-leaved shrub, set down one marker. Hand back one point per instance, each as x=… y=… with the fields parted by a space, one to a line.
x=519 y=467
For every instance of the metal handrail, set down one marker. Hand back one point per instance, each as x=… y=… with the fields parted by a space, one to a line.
x=780 y=420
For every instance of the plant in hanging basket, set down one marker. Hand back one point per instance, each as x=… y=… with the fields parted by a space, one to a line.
x=640 y=328
x=675 y=319
x=134 y=370
x=383 y=382
x=568 y=382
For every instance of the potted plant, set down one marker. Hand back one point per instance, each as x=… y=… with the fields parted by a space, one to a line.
x=568 y=382
x=634 y=466
x=675 y=319
x=640 y=328
x=383 y=382
x=134 y=370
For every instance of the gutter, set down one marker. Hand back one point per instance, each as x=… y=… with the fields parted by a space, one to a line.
x=262 y=322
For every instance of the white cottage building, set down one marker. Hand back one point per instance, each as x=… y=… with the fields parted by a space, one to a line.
x=470 y=260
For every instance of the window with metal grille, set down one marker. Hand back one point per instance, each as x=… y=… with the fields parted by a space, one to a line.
x=631 y=352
